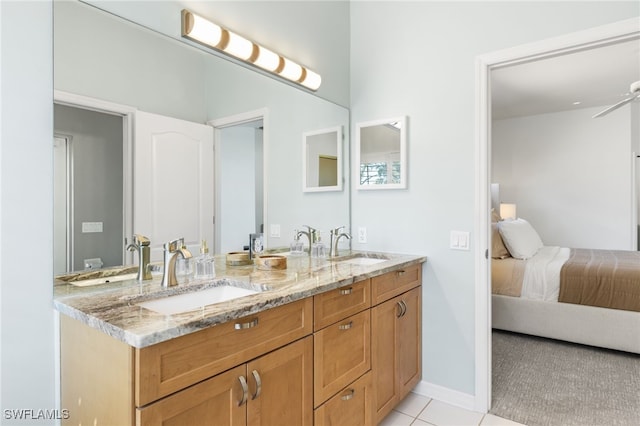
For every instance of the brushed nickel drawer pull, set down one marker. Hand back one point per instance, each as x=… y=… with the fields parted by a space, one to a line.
x=245 y=325
x=245 y=390
x=345 y=326
x=349 y=395
x=346 y=291
x=256 y=377
x=403 y=308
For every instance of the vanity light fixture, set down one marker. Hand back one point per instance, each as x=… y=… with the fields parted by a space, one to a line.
x=205 y=32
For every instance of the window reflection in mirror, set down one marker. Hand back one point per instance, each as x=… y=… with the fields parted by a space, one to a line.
x=322 y=160
x=381 y=154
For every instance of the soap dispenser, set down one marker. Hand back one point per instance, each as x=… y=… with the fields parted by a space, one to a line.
x=205 y=266
x=296 y=247
x=318 y=249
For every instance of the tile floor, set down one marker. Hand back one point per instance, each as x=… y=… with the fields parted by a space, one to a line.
x=418 y=410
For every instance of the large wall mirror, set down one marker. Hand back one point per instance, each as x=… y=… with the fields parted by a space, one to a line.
x=322 y=160
x=381 y=154
x=102 y=56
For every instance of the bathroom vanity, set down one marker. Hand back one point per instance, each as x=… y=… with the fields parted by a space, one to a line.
x=321 y=342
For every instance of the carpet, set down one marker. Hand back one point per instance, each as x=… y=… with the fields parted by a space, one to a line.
x=538 y=381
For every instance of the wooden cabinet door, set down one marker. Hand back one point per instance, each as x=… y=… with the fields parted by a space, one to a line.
x=396 y=359
x=383 y=357
x=281 y=386
x=409 y=335
x=216 y=401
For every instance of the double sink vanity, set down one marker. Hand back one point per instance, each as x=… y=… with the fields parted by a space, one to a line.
x=321 y=342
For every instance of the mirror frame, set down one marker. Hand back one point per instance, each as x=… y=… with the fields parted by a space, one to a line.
x=403 y=154
x=305 y=138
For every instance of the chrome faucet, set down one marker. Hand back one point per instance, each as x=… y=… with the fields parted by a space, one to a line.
x=337 y=233
x=311 y=234
x=171 y=251
x=142 y=245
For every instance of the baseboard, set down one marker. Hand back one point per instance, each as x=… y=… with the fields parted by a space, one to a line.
x=446 y=395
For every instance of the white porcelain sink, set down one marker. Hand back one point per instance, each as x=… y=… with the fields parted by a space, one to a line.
x=191 y=301
x=363 y=261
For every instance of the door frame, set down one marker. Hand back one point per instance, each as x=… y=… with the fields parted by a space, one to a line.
x=587 y=39
x=128 y=118
x=233 y=120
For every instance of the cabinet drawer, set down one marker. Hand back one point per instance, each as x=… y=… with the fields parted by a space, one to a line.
x=175 y=364
x=340 y=303
x=214 y=401
x=341 y=353
x=393 y=283
x=352 y=406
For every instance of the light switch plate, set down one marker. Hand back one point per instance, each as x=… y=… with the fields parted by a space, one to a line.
x=88 y=227
x=459 y=240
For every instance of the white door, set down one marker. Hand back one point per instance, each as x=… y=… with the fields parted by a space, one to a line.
x=172 y=181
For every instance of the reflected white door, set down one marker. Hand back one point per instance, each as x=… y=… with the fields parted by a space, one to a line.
x=172 y=181
x=61 y=241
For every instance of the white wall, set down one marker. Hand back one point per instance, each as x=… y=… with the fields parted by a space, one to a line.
x=569 y=175
x=417 y=59
x=27 y=361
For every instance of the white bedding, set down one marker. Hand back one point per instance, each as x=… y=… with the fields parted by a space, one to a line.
x=542 y=274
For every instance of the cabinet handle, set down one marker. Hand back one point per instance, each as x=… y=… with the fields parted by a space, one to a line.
x=345 y=326
x=245 y=390
x=346 y=291
x=256 y=377
x=400 y=272
x=349 y=395
x=403 y=309
x=245 y=325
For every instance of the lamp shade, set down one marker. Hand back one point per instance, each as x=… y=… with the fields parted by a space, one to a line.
x=508 y=211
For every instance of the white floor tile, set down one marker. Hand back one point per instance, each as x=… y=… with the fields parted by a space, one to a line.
x=491 y=420
x=412 y=404
x=395 y=418
x=419 y=422
x=441 y=414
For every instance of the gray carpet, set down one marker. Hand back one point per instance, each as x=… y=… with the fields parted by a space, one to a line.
x=540 y=381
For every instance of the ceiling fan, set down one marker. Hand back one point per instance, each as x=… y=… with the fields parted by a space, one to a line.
x=634 y=90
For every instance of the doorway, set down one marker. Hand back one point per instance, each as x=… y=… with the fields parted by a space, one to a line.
x=589 y=39
x=88 y=191
x=240 y=184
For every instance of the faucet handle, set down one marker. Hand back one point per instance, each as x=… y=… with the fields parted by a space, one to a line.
x=141 y=240
x=174 y=245
x=336 y=231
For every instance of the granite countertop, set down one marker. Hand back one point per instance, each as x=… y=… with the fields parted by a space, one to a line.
x=113 y=307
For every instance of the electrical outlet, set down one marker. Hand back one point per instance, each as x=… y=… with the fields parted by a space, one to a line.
x=275 y=230
x=362 y=234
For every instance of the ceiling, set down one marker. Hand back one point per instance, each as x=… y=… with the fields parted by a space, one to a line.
x=594 y=77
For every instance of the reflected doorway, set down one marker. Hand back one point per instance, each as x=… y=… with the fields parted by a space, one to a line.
x=239 y=180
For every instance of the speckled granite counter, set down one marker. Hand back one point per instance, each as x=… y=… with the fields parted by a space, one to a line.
x=113 y=307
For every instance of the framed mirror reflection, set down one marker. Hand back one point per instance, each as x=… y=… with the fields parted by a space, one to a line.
x=322 y=160
x=381 y=154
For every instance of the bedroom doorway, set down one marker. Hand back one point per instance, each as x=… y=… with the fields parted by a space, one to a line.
x=486 y=64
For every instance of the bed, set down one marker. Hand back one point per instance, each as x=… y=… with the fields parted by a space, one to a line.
x=579 y=295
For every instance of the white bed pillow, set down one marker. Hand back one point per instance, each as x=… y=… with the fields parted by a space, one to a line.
x=521 y=239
